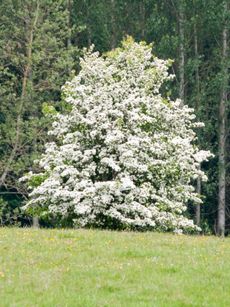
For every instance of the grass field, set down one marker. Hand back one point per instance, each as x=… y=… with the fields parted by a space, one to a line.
x=102 y=268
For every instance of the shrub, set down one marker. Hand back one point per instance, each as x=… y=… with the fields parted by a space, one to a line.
x=124 y=156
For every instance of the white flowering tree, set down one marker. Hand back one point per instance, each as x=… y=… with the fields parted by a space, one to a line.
x=123 y=155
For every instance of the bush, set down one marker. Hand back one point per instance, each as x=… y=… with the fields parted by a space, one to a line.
x=12 y=215
x=124 y=156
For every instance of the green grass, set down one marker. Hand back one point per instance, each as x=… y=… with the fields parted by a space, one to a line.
x=102 y=268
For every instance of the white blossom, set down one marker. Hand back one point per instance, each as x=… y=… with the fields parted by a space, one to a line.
x=123 y=155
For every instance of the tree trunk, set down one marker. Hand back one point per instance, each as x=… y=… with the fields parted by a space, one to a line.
x=222 y=134
x=69 y=7
x=198 y=190
x=197 y=78
x=113 y=36
x=35 y=222
x=181 y=52
x=143 y=18
x=89 y=32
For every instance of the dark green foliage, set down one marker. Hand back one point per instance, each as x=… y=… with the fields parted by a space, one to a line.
x=61 y=30
x=11 y=213
x=37 y=57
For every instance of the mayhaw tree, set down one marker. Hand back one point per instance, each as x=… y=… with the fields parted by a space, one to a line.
x=124 y=156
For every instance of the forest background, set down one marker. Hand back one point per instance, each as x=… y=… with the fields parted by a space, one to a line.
x=41 y=42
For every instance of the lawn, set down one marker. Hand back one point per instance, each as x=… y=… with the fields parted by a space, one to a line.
x=102 y=268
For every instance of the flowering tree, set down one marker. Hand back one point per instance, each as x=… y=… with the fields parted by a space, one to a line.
x=123 y=156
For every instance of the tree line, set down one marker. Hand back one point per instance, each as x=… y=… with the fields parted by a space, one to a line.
x=41 y=42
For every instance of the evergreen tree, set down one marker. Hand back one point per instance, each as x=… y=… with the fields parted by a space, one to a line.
x=36 y=60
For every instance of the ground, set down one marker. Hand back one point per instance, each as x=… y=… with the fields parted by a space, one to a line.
x=103 y=268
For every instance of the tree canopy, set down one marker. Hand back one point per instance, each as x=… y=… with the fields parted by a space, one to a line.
x=123 y=155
